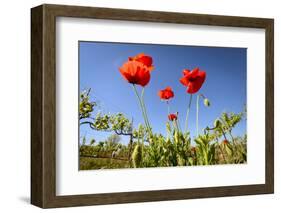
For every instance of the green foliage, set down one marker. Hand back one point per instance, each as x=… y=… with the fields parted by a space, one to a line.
x=92 y=142
x=141 y=134
x=87 y=163
x=120 y=123
x=105 y=148
x=117 y=123
x=113 y=139
x=205 y=150
x=86 y=107
x=101 y=122
x=137 y=156
x=216 y=145
x=173 y=150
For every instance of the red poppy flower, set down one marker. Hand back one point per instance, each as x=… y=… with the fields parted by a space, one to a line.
x=172 y=117
x=166 y=93
x=135 y=73
x=225 y=142
x=145 y=59
x=193 y=79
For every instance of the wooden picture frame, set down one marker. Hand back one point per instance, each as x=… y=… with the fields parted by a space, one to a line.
x=43 y=105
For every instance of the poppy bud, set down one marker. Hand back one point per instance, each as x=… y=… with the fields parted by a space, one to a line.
x=207 y=102
x=217 y=123
x=137 y=156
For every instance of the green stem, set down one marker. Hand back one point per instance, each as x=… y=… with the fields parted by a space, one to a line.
x=168 y=107
x=223 y=134
x=233 y=141
x=141 y=106
x=197 y=115
x=176 y=125
x=232 y=138
x=187 y=113
x=221 y=151
x=145 y=112
x=206 y=158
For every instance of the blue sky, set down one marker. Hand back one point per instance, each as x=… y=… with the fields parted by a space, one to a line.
x=225 y=84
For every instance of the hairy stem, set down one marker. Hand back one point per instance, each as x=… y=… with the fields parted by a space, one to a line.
x=141 y=106
x=187 y=113
x=144 y=109
x=168 y=107
x=176 y=125
x=223 y=133
x=197 y=114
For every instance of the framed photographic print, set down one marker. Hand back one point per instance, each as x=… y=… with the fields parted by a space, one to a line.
x=136 y=106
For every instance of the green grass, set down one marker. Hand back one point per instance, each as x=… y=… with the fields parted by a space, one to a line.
x=87 y=163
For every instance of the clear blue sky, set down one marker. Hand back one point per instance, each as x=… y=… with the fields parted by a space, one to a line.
x=225 y=84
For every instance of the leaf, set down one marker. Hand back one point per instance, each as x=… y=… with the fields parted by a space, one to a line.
x=228 y=149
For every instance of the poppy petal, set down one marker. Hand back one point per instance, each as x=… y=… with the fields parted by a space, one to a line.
x=144 y=59
x=168 y=89
x=127 y=76
x=194 y=73
x=195 y=86
x=185 y=72
x=160 y=94
x=166 y=93
x=135 y=72
x=193 y=79
x=184 y=81
x=142 y=75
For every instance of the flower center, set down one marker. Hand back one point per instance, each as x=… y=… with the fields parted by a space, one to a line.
x=192 y=79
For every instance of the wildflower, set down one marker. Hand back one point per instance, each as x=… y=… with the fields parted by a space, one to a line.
x=135 y=73
x=172 y=117
x=166 y=93
x=144 y=59
x=193 y=80
x=225 y=142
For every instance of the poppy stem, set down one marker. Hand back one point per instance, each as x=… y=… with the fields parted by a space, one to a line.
x=140 y=102
x=203 y=96
x=197 y=115
x=187 y=113
x=145 y=112
x=143 y=109
x=176 y=124
x=168 y=107
x=223 y=133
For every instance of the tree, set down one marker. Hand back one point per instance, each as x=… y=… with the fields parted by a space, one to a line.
x=114 y=139
x=92 y=142
x=86 y=107
x=116 y=123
